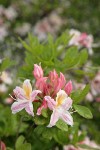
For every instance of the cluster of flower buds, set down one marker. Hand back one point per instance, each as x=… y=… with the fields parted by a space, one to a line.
x=52 y=92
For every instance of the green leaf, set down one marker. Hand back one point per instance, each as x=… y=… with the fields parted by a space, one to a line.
x=39 y=129
x=19 y=141
x=74 y=132
x=84 y=92
x=71 y=58
x=25 y=146
x=80 y=95
x=21 y=144
x=75 y=96
x=83 y=57
x=6 y=63
x=83 y=111
x=39 y=120
x=62 y=125
x=44 y=113
x=47 y=133
x=61 y=137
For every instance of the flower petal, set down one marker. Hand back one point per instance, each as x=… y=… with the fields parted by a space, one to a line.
x=53 y=76
x=41 y=84
x=18 y=106
x=43 y=105
x=19 y=92
x=29 y=108
x=27 y=88
x=66 y=116
x=61 y=96
x=50 y=102
x=62 y=80
x=34 y=94
x=54 y=118
x=68 y=87
x=67 y=103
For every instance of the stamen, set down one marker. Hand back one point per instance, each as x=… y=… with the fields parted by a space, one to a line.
x=12 y=97
x=73 y=112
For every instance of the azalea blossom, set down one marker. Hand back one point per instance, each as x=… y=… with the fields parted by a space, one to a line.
x=81 y=39
x=50 y=24
x=5 y=78
x=50 y=85
x=60 y=108
x=23 y=29
x=24 y=98
x=10 y=13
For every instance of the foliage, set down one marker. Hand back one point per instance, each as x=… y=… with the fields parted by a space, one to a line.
x=53 y=53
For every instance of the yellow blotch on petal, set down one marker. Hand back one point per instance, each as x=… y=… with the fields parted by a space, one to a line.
x=27 y=88
x=61 y=96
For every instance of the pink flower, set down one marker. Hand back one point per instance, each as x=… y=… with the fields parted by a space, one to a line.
x=60 y=108
x=25 y=96
x=81 y=39
x=2 y=146
x=38 y=72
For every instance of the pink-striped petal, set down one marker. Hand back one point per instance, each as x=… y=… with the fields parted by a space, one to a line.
x=19 y=92
x=66 y=105
x=50 y=102
x=68 y=87
x=34 y=94
x=66 y=116
x=54 y=118
x=29 y=108
x=18 y=106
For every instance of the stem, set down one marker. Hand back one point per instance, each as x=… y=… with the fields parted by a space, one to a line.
x=29 y=133
x=20 y=122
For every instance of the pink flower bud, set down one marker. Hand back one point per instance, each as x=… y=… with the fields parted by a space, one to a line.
x=2 y=146
x=68 y=87
x=53 y=76
x=43 y=105
x=37 y=72
x=41 y=84
x=9 y=100
x=62 y=80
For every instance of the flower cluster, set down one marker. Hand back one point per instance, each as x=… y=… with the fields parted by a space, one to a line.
x=50 y=24
x=81 y=40
x=51 y=91
x=5 y=80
